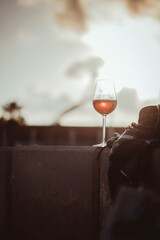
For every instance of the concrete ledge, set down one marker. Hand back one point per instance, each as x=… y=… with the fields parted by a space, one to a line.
x=56 y=192
x=5 y=193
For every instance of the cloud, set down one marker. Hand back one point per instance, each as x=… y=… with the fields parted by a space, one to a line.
x=43 y=61
x=70 y=13
x=128 y=99
x=127 y=111
x=128 y=107
x=90 y=65
x=130 y=102
x=78 y=13
x=73 y=13
x=87 y=69
x=44 y=107
x=23 y=37
x=29 y=3
x=142 y=6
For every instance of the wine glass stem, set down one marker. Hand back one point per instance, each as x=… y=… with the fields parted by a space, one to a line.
x=104 y=130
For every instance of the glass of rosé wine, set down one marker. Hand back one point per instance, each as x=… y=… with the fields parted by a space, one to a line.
x=104 y=102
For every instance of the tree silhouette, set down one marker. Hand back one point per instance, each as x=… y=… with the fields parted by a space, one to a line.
x=12 y=112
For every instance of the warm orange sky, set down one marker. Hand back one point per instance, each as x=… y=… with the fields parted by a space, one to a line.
x=51 y=53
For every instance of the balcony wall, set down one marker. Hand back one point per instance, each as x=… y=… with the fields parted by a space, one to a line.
x=56 y=192
x=53 y=192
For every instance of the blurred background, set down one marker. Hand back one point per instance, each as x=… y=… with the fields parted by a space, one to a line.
x=52 y=52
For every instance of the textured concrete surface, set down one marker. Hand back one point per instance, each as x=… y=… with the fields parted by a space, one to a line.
x=56 y=192
x=5 y=193
x=156 y=169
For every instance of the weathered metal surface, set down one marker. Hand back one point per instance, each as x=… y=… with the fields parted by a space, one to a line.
x=55 y=193
x=5 y=193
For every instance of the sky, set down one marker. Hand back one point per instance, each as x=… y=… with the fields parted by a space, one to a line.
x=52 y=52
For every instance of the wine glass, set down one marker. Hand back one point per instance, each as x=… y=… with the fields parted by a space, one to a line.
x=104 y=102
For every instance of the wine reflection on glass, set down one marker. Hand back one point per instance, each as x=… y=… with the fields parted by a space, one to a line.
x=104 y=102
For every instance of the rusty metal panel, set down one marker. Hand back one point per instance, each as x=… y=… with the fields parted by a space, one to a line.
x=55 y=193
x=5 y=193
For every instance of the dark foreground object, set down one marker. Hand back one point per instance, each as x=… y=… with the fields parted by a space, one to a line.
x=131 y=162
x=134 y=178
x=135 y=216
x=51 y=193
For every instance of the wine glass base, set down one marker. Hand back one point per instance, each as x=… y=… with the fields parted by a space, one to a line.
x=100 y=145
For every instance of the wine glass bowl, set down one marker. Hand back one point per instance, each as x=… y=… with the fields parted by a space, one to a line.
x=104 y=102
x=104 y=106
